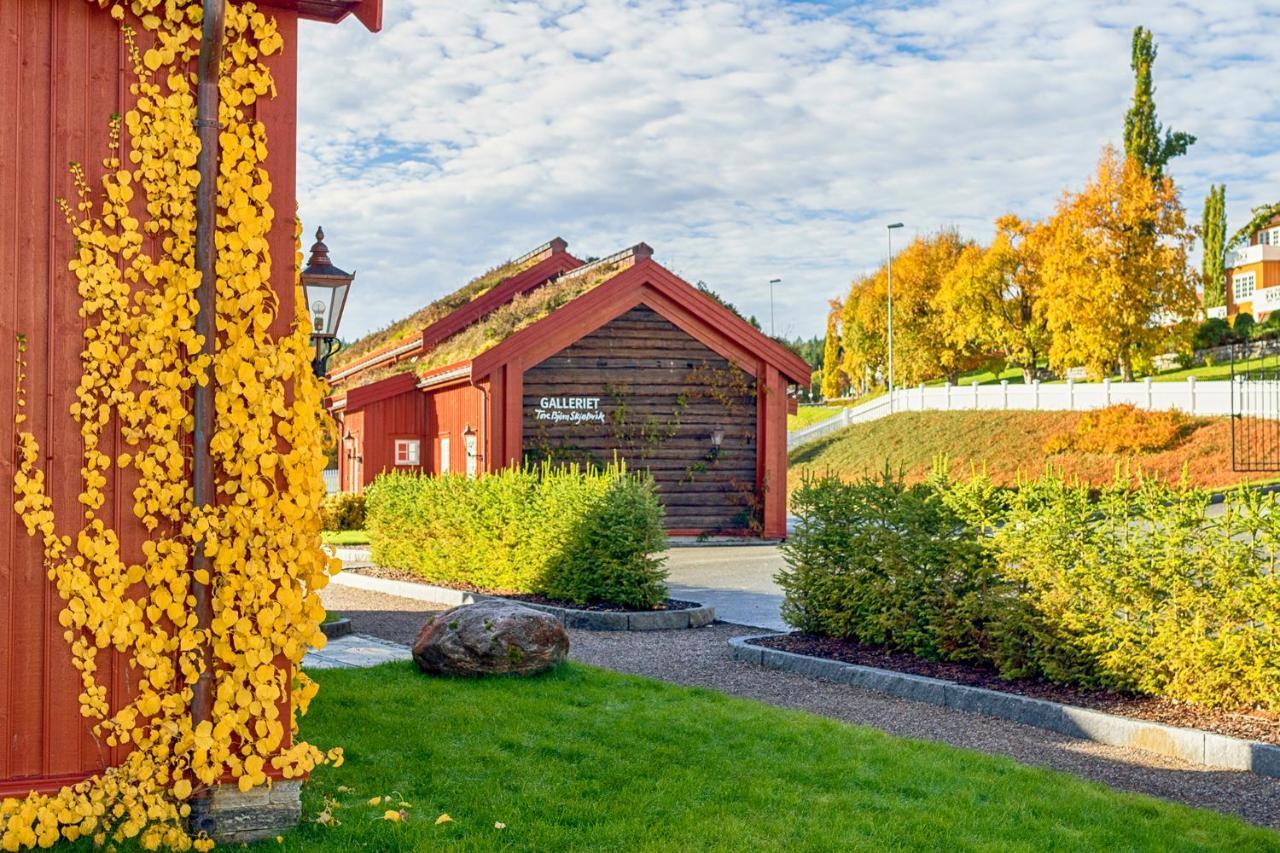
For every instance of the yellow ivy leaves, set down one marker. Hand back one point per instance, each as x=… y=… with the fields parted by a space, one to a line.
x=134 y=268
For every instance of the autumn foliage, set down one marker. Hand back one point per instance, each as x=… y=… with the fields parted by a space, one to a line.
x=1103 y=284
x=133 y=229
x=1122 y=429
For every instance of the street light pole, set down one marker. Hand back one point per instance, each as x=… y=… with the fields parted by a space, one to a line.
x=772 y=282
x=890 y=272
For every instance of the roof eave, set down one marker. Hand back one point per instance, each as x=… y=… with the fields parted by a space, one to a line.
x=367 y=12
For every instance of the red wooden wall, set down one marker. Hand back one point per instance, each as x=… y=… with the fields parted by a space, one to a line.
x=64 y=72
x=376 y=427
x=412 y=413
x=449 y=412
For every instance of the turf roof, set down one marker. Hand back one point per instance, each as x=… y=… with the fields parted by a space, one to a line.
x=408 y=327
x=521 y=312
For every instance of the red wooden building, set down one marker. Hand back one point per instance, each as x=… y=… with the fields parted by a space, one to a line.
x=576 y=362
x=65 y=71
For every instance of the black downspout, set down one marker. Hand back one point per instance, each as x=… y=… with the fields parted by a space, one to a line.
x=207 y=99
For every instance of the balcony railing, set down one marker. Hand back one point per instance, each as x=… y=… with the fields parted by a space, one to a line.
x=1252 y=255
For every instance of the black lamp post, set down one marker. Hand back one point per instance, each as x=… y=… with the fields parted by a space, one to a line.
x=325 y=287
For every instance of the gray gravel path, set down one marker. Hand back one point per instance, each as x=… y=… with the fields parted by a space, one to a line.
x=700 y=657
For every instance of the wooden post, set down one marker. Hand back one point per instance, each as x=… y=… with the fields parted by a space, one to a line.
x=772 y=430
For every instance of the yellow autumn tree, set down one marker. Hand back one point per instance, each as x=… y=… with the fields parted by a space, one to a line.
x=862 y=334
x=989 y=302
x=834 y=381
x=1117 y=286
x=920 y=350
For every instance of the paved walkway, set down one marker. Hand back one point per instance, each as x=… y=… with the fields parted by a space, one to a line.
x=737 y=580
x=356 y=651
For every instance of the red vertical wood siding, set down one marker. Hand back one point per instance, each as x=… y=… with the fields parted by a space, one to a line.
x=449 y=412
x=63 y=72
x=426 y=416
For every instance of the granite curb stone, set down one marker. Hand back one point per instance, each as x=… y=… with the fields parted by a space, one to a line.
x=1191 y=745
x=586 y=620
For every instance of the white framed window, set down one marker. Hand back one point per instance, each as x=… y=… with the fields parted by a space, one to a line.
x=1242 y=285
x=407 y=451
x=444 y=454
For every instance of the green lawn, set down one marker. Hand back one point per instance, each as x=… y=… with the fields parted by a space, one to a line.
x=584 y=759
x=806 y=415
x=1014 y=375
x=1221 y=370
x=344 y=537
x=984 y=377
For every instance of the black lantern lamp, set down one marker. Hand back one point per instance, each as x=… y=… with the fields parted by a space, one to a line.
x=325 y=287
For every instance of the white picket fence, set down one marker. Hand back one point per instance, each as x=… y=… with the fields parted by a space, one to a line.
x=1192 y=397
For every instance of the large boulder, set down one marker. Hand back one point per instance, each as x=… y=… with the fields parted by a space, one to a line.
x=490 y=637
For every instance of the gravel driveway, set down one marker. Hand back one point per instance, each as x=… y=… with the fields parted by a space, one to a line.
x=701 y=658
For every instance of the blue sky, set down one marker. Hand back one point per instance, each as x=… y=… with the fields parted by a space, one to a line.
x=745 y=140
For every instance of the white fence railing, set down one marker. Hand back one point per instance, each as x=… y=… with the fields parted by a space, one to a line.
x=1192 y=397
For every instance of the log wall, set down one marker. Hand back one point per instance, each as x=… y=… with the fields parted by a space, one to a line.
x=661 y=395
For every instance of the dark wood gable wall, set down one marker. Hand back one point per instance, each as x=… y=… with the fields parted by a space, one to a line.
x=662 y=395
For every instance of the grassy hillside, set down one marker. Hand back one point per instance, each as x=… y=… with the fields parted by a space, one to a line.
x=1007 y=444
x=807 y=415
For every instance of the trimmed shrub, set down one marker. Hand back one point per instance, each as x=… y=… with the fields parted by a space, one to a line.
x=1242 y=326
x=1123 y=428
x=578 y=535
x=881 y=562
x=1214 y=332
x=1132 y=588
x=343 y=512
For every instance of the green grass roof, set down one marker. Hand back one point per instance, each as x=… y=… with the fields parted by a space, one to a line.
x=525 y=310
x=407 y=327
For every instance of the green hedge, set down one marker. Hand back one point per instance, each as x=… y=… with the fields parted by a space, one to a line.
x=579 y=535
x=1130 y=588
x=343 y=511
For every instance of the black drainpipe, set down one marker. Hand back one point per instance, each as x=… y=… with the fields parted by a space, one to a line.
x=206 y=297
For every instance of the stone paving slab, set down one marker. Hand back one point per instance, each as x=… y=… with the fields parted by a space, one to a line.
x=356 y=651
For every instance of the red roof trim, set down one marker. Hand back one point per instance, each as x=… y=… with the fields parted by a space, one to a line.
x=557 y=263
x=650 y=283
x=392 y=386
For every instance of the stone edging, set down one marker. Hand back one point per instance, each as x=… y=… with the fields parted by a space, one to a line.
x=337 y=628
x=588 y=620
x=1192 y=745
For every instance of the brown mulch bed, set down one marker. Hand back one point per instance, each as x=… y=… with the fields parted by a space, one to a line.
x=1259 y=726
x=402 y=575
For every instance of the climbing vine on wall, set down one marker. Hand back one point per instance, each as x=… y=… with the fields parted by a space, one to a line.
x=134 y=267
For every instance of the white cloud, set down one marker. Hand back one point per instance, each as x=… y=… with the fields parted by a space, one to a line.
x=744 y=140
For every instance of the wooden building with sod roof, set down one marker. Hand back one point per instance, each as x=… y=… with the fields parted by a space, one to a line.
x=549 y=358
